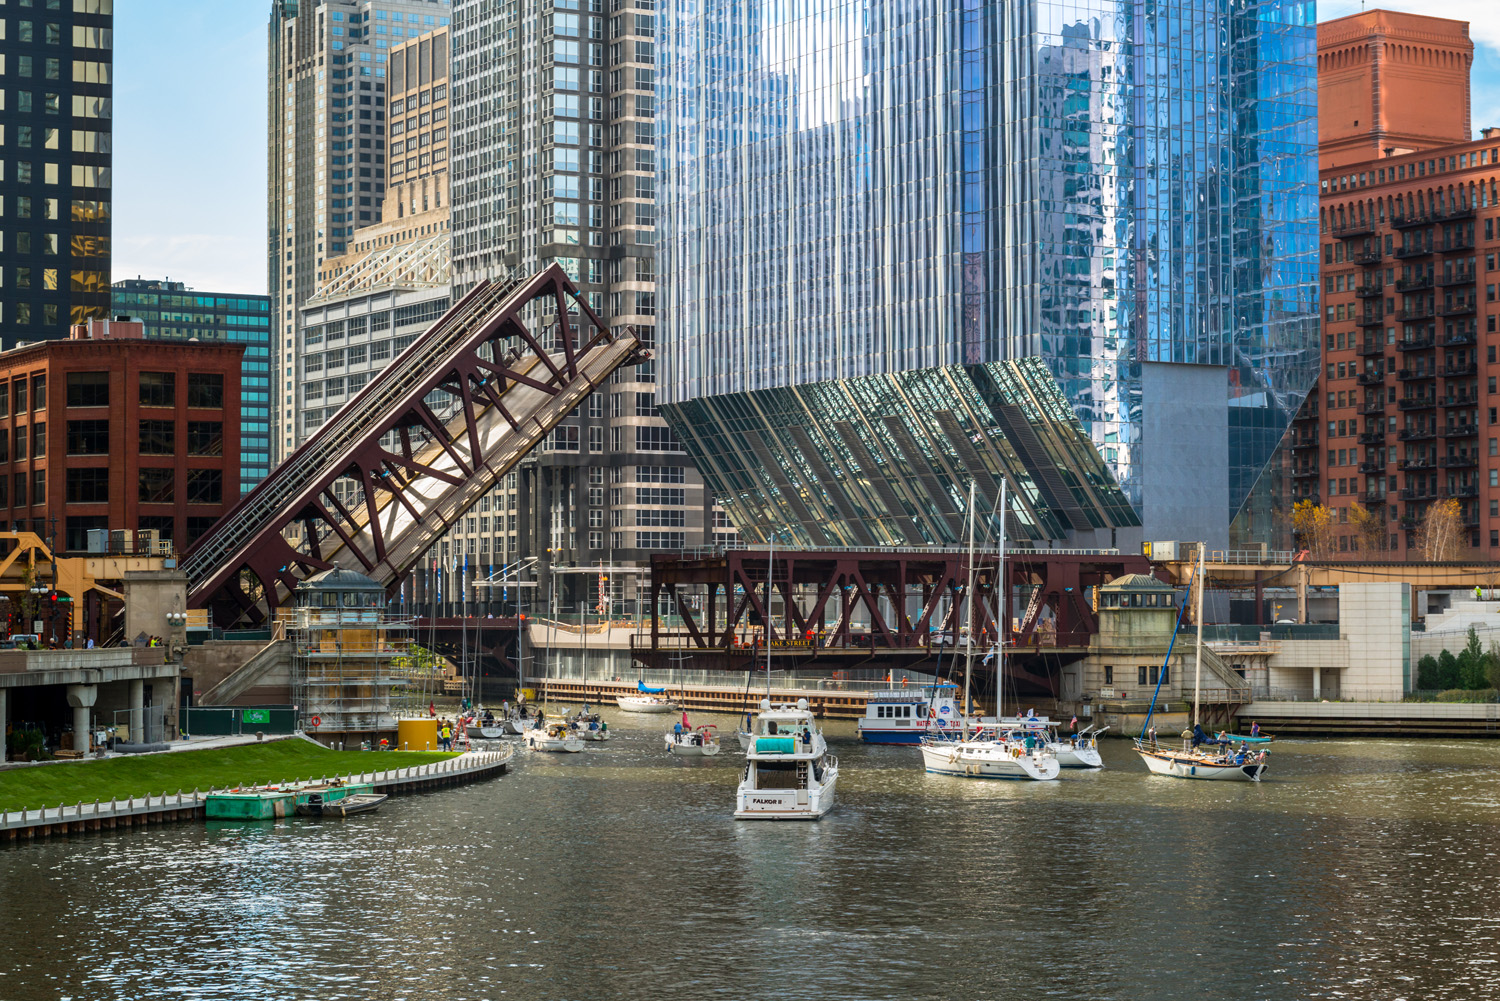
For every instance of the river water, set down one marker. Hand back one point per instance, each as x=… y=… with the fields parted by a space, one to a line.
x=1359 y=869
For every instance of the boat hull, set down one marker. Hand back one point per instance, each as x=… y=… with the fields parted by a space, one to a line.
x=542 y=742
x=987 y=761
x=485 y=732
x=684 y=750
x=635 y=705
x=1181 y=766
x=782 y=804
x=1077 y=757
x=746 y=738
x=514 y=727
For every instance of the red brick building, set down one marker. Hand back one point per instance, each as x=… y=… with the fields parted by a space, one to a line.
x=1405 y=413
x=110 y=430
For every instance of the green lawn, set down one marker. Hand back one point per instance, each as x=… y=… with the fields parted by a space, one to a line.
x=154 y=774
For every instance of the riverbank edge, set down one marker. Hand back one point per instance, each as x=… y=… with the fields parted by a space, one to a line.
x=84 y=818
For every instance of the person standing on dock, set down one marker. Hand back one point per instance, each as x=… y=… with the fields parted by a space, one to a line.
x=447 y=736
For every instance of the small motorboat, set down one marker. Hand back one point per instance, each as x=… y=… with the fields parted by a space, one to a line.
x=360 y=803
x=555 y=736
x=693 y=743
x=590 y=726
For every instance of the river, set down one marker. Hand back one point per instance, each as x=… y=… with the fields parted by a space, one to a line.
x=1359 y=869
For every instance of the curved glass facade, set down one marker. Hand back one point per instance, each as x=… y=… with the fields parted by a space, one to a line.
x=852 y=190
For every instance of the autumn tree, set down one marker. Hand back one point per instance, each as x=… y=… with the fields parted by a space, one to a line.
x=1314 y=527
x=1368 y=527
x=1441 y=535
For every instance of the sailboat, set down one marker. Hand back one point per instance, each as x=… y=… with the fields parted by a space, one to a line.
x=988 y=752
x=646 y=700
x=1200 y=757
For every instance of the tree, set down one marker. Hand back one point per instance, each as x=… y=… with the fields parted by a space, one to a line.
x=1472 y=664
x=1314 y=527
x=1369 y=528
x=1441 y=535
x=1427 y=673
x=1492 y=665
x=1447 y=671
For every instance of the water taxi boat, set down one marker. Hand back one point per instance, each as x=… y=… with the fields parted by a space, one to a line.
x=555 y=736
x=905 y=715
x=789 y=774
x=693 y=743
x=989 y=754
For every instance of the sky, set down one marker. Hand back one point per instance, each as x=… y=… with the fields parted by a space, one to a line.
x=190 y=131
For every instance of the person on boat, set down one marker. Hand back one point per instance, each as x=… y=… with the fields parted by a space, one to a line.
x=807 y=737
x=1255 y=728
x=677 y=732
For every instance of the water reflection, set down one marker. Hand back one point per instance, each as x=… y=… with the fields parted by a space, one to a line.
x=1357 y=870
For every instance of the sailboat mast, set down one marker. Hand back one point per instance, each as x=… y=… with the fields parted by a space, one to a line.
x=1198 y=655
x=1002 y=609
x=969 y=637
x=770 y=590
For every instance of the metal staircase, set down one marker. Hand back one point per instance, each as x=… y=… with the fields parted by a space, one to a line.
x=413 y=451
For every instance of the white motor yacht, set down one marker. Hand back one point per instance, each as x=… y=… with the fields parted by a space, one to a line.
x=906 y=715
x=789 y=774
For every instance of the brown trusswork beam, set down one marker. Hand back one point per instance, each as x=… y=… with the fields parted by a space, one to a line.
x=726 y=620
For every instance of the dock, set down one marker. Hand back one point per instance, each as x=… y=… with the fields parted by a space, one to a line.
x=828 y=703
x=144 y=811
x=1374 y=719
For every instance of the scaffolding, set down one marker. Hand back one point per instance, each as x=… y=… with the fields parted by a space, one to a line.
x=348 y=656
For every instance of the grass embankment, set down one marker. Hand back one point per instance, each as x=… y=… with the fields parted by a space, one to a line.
x=217 y=768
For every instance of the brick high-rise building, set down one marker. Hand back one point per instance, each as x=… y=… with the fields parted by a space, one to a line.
x=1391 y=83
x=1406 y=411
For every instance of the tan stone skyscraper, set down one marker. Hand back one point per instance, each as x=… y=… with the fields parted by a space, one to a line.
x=328 y=66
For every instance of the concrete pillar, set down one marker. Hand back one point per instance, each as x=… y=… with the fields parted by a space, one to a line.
x=81 y=698
x=1302 y=576
x=1317 y=683
x=137 y=711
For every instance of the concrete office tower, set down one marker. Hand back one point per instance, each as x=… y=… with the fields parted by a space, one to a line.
x=554 y=158
x=1071 y=244
x=326 y=105
x=171 y=311
x=56 y=60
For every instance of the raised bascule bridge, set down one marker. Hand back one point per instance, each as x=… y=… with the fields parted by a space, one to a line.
x=844 y=612
x=374 y=488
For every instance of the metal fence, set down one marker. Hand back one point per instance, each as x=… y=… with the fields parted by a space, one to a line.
x=223 y=721
x=146 y=725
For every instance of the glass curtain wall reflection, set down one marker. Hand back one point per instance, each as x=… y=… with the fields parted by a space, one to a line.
x=856 y=190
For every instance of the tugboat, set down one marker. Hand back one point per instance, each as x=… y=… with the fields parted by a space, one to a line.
x=789 y=774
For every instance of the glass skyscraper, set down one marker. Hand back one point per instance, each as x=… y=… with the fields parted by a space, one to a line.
x=172 y=311
x=1124 y=192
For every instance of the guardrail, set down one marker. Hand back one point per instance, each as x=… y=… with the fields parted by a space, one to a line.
x=103 y=815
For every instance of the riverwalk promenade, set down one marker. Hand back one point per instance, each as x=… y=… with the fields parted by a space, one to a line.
x=140 y=811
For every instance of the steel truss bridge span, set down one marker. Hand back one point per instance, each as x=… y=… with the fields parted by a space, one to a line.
x=390 y=473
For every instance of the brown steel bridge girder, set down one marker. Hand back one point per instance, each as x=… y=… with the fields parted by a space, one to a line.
x=822 y=589
x=1032 y=672
x=453 y=460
